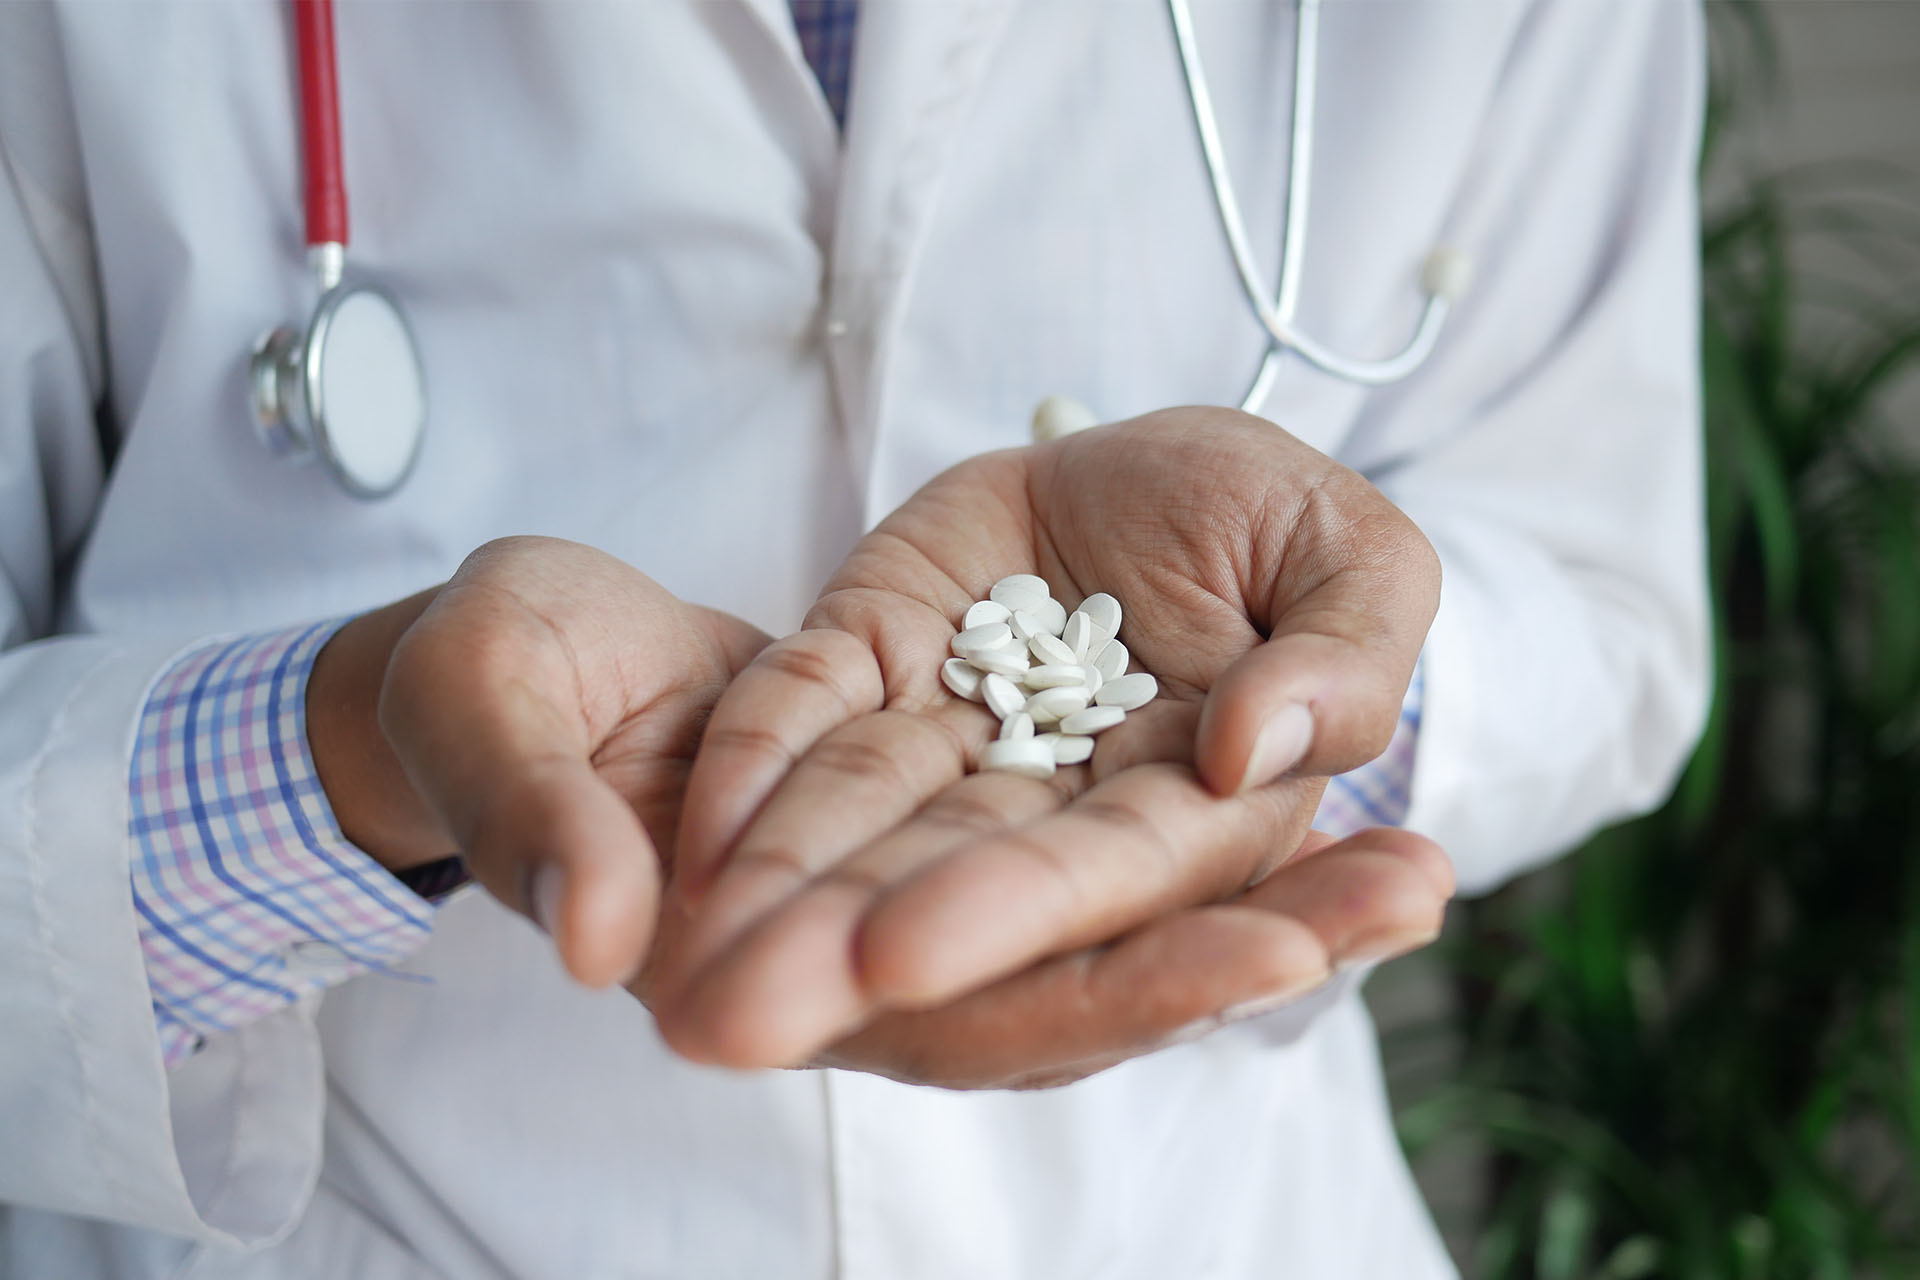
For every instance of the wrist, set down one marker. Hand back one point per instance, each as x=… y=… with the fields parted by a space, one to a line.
x=376 y=806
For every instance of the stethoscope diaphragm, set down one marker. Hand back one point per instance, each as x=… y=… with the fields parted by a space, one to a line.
x=348 y=391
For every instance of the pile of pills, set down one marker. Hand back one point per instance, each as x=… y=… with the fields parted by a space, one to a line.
x=1055 y=679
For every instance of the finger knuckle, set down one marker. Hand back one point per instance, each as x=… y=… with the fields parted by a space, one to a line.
x=967 y=814
x=777 y=862
x=858 y=759
x=747 y=739
x=810 y=658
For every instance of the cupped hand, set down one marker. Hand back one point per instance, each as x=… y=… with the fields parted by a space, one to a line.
x=843 y=875
x=538 y=713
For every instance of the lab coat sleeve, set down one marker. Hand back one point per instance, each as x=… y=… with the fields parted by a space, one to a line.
x=227 y=1148
x=1552 y=449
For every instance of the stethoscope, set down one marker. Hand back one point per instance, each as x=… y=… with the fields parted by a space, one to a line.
x=348 y=388
x=1444 y=275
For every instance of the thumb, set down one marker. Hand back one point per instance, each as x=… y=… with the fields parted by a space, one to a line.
x=1323 y=694
x=484 y=718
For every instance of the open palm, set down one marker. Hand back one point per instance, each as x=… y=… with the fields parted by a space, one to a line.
x=842 y=872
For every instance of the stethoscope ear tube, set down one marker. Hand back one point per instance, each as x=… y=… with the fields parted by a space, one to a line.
x=1443 y=276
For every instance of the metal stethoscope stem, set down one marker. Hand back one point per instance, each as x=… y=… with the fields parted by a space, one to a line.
x=1442 y=279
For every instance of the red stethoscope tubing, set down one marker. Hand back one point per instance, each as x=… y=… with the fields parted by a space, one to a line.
x=320 y=123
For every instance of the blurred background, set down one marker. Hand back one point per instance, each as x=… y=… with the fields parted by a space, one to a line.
x=1692 y=1048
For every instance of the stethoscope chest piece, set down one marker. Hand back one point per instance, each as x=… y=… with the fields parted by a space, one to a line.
x=348 y=391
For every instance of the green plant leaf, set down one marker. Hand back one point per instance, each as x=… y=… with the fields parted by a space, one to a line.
x=1566 y=1233
x=1634 y=1258
x=1770 y=499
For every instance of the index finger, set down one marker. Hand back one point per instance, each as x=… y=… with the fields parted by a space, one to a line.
x=790 y=696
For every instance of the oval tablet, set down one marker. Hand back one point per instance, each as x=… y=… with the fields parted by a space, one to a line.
x=984 y=612
x=962 y=679
x=1052 y=650
x=1078 y=635
x=1020 y=591
x=1111 y=661
x=1052 y=704
x=1027 y=757
x=1103 y=611
x=1094 y=679
x=1016 y=726
x=1002 y=696
x=1052 y=677
x=988 y=635
x=1025 y=625
x=1128 y=692
x=1071 y=748
x=1091 y=720
x=1052 y=615
x=1010 y=662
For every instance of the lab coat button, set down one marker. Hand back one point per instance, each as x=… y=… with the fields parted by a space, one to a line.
x=837 y=327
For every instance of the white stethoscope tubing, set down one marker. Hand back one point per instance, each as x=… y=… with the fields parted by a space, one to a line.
x=1442 y=278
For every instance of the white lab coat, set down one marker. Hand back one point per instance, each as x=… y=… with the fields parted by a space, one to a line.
x=662 y=313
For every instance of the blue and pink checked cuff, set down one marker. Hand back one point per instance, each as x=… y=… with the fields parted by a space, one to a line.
x=248 y=896
x=1378 y=794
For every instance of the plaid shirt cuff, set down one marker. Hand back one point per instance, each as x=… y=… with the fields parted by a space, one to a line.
x=1378 y=793
x=247 y=894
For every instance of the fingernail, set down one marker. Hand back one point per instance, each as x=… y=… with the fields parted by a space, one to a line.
x=1254 y=1008
x=1282 y=744
x=1376 y=950
x=548 y=884
x=1185 y=1035
x=1271 y=1003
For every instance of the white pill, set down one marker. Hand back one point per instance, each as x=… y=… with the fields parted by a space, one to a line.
x=1091 y=720
x=1112 y=660
x=964 y=680
x=1052 y=615
x=1071 y=748
x=1016 y=726
x=1053 y=677
x=984 y=612
x=1052 y=704
x=1103 y=611
x=1027 y=757
x=1009 y=662
x=1025 y=625
x=1050 y=649
x=1020 y=591
x=1077 y=635
x=1128 y=692
x=1059 y=416
x=1093 y=679
x=990 y=635
x=1002 y=696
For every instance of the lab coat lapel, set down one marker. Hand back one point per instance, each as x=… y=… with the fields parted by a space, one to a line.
x=917 y=66
x=778 y=21
x=775 y=19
